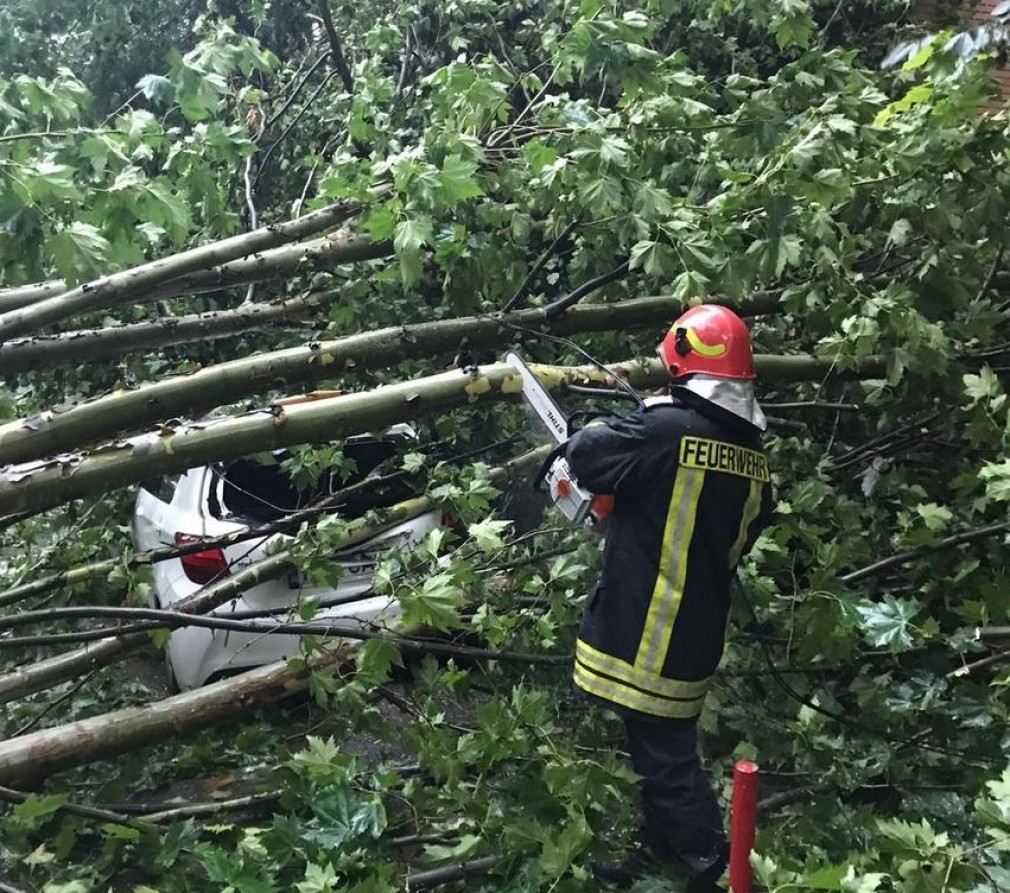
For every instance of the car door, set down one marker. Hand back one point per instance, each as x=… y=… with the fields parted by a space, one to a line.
x=152 y=514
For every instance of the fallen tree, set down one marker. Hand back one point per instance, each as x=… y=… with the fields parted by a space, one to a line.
x=280 y=263
x=36 y=486
x=54 y=432
x=112 y=342
x=110 y=290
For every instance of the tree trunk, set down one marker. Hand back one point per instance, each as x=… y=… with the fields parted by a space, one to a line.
x=26 y=760
x=35 y=486
x=23 y=295
x=50 y=433
x=109 y=290
x=342 y=247
x=112 y=342
x=277 y=263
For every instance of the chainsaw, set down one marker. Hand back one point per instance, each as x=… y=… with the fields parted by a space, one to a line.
x=555 y=477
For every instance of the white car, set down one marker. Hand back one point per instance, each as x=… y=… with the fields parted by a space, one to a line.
x=214 y=500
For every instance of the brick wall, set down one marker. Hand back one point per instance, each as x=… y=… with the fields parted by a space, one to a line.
x=964 y=13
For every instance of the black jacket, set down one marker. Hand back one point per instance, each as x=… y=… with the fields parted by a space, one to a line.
x=692 y=492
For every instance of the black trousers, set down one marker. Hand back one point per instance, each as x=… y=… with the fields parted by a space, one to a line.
x=681 y=819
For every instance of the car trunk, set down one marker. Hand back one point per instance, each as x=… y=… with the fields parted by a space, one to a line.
x=246 y=492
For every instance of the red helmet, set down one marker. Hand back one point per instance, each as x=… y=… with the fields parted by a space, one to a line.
x=708 y=338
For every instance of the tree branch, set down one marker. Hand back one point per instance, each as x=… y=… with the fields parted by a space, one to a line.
x=295 y=93
x=344 y=628
x=111 y=342
x=958 y=539
x=993 y=660
x=587 y=288
x=9 y=795
x=277 y=263
x=436 y=877
x=336 y=50
x=106 y=417
x=42 y=484
x=105 y=291
x=515 y=302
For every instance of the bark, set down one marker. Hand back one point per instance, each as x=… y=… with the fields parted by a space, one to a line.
x=27 y=760
x=276 y=263
x=109 y=290
x=36 y=486
x=49 y=433
x=110 y=343
x=23 y=295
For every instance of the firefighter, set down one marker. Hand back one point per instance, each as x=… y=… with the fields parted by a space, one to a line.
x=692 y=492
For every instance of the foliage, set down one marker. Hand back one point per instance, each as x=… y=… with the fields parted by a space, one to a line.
x=722 y=148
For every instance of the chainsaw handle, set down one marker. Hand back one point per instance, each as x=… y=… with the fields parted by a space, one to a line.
x=541 y=475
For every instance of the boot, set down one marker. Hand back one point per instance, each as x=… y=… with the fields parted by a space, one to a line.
x=624 y=872
x=703 y=872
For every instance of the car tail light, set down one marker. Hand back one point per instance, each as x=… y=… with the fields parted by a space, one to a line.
x=450 y=522
x=201 y=567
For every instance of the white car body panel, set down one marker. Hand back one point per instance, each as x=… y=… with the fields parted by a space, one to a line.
x=193 y=654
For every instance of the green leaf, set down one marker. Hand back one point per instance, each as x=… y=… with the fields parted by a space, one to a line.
x=888 y=624
x=489 y=534
x=79 y=251
x=322 y=759
x=996 y=476
x=318 y=879
x=457 y=179
x=937 y=517
x=656 y=258
x=614 y=152
x=985 y=386
x=375 y=659
x=412 y=233
x=37 y=806
x=462 y=849
x=559 y=852
x=827 y=878
x=436 y=603
x=413 y=462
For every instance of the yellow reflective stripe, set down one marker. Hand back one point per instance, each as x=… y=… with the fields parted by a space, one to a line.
x=751 y=508
x=706 y=350
x=669 y=589
x=599 y=662
x=624 y=696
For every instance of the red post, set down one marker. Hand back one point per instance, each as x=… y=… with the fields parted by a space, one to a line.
x=743 y=826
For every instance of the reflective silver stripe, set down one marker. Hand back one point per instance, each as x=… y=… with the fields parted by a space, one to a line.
x=751 y=509
x=669 y=589
x=625 y=696
x=608 y=665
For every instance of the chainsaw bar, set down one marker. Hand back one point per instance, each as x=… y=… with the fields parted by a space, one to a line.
x=540 y=400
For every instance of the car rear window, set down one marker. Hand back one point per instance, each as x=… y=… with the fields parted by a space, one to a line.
x=252 y=491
